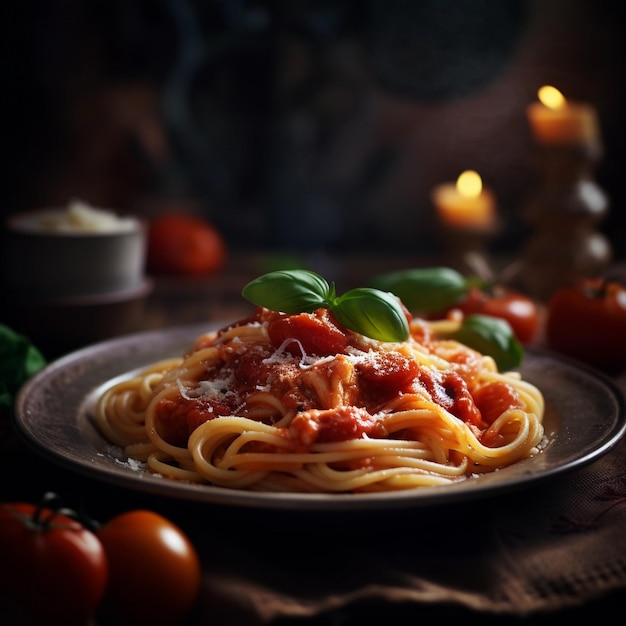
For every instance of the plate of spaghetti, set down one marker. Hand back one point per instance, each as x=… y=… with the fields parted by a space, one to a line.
x=252 y=413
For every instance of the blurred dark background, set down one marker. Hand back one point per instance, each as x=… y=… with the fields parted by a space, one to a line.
x=319 y=124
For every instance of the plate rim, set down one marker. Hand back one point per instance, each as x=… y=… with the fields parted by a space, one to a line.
x=109 y=351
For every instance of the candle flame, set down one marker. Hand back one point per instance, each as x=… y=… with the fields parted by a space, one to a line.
x=469 y=184
x=551 y=97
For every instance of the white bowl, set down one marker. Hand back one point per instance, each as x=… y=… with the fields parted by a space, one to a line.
x=42 y=261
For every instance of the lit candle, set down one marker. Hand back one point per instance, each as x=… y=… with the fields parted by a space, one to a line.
x=556 y=122
x=466 y=204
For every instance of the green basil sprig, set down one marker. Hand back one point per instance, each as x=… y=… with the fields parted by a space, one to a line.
x=371 y=312
x=427 y=290
x=493 y=336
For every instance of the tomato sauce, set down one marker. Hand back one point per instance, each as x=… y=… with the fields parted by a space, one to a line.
x=300 y=353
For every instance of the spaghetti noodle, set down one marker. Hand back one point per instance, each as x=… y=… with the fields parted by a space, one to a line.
x=280 y=402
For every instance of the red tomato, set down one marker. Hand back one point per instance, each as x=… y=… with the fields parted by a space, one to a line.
x=520 y=311
x=53 y=567
x=183 y=244
x=389 y=370
x=155 y=572
x=588 y=322
x=494 y=398
x=316 y=332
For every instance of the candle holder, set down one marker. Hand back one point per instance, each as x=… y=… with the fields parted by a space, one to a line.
x=565 y=245
x=461 y=246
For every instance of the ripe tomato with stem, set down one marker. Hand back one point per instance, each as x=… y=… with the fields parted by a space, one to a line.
x=53 y=567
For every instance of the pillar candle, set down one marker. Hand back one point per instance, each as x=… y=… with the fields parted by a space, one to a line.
x=465 y=204
x=556 y=122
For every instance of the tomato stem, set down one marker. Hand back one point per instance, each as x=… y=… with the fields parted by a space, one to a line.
x=598 y=289
x=48 y=509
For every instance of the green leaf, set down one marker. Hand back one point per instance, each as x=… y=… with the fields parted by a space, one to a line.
x=425 y=289
x=373 y=313
x=19 y=360
x=370 y=312
x=290 y=291
x=492 y=336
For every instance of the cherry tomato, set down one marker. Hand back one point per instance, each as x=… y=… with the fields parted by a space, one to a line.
x=587 y=322
x=155 y=572
x=520 y=311
x=53 y=567
x=183 y=244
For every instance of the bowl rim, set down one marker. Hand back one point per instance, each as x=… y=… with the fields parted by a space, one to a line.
x=17 y=224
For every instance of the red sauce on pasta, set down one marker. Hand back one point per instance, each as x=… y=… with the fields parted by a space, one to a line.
x=280 y=402
x=376 y=379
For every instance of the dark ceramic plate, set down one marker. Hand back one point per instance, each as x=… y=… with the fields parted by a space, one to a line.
x=585 y=418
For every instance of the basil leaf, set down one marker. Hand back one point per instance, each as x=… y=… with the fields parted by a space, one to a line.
x=373 y=313
x=428 y=289
x=19 y=360
x=290 y=291
x=370 y=312
x=492 y=336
